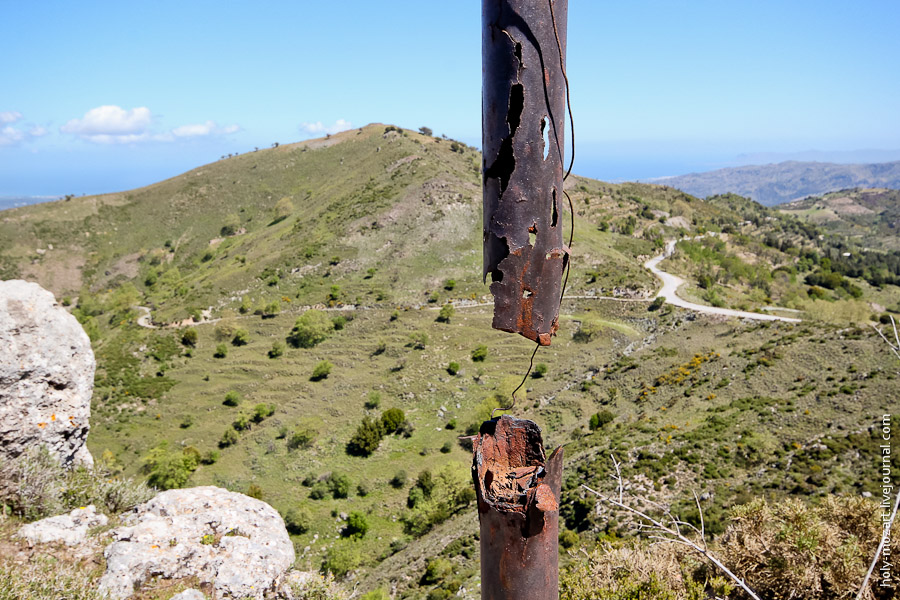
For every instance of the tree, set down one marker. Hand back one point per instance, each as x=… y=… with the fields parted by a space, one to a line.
x=600 y=419
x=232 y=398
x=231 y=225
x=297 y=520
x=366 y=439
x=339 y=485
x=357 y=525
x=277 y=350
x=392 y=419
x=322 y=370
x=283 y=209
x=445 y=314
x=229 y=438
x=311 y=328
x=189 y=337
x=426 y=131
x=241 y=338
x=480 y=353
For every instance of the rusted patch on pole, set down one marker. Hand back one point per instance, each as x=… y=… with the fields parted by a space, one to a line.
x=518 y=492
x=523 y=108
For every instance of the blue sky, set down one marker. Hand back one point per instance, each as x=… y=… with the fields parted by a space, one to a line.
x=105 y=96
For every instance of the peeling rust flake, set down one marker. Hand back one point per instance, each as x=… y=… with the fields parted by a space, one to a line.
x=523 y=105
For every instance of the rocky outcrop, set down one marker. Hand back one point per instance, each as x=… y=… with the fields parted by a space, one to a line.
x=70 y=529
x=237 y=544
x=46 y=375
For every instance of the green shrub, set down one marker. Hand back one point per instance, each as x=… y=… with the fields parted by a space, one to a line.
x=254 y=491
x=357 y=525
x=600 y=419
x=221 y=351
x=231 y=225
x=262 y=411
x=297 y=520
x=449 y=285
x=445 y=313
x=277 y=350
x=398 y=480
x=339 y=485
x=321 y=371
x=568 y=539
x=241 y=338
x=303 y=437
x=425 y=482
x=366 y=439
x=587 y=331
x=342 y=557
x=232 y=398
x=373 y=400
x=453 y=368
x=657 y=303
x=436 y=570
x=540 y=370
x=339 y=322
x=168 y=470
x=391 y=420
x=210 y=457
x=447 y=448
x=311 y=328
x=189 y=337
x=242 y=423
x=480 y=353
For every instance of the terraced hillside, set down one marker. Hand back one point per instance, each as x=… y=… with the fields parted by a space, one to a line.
x=363 y=404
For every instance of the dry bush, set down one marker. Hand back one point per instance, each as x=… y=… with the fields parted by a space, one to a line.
x=46 y=579
x=635 y=572
x=792 y=550
x=35 y=485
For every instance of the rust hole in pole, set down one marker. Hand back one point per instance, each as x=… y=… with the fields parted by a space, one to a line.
x=523 y=106
x=518 y=492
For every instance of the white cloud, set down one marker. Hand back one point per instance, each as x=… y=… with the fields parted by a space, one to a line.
x=203 y=129
x=115 y=125
x=318 y=128
x=109 y=124
x=10 y=116
x=10 y=136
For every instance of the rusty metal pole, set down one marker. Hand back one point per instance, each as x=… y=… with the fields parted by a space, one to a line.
x=523 y=110
x=518 y=509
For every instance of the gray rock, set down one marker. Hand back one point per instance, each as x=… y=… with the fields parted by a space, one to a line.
x=234 y=542
x=46 y=375
x=70 y=529
x=189 y=595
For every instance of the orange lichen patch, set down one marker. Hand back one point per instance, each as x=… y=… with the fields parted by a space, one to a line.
x=42 y=425
x=52 y=417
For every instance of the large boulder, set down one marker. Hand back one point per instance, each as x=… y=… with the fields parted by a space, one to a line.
x=46 y=375
x=235 y=543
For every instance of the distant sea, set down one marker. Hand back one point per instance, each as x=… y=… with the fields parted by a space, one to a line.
x=12 y=202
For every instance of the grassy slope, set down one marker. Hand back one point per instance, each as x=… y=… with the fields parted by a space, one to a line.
x=415 y=221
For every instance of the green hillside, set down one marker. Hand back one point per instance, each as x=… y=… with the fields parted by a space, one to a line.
x=868 y=217
x=381 y=231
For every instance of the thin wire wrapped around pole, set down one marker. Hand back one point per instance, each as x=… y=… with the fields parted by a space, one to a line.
x=523 y=125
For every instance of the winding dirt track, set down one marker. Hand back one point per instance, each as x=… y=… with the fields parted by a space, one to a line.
x=671 y=283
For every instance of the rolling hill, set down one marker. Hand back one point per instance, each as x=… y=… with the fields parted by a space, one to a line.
x=778 y=183
x=380 y=229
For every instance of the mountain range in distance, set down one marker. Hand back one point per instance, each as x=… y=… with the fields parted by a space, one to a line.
x=773 y=184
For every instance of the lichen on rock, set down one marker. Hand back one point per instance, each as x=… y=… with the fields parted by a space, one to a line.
x=46 y=375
